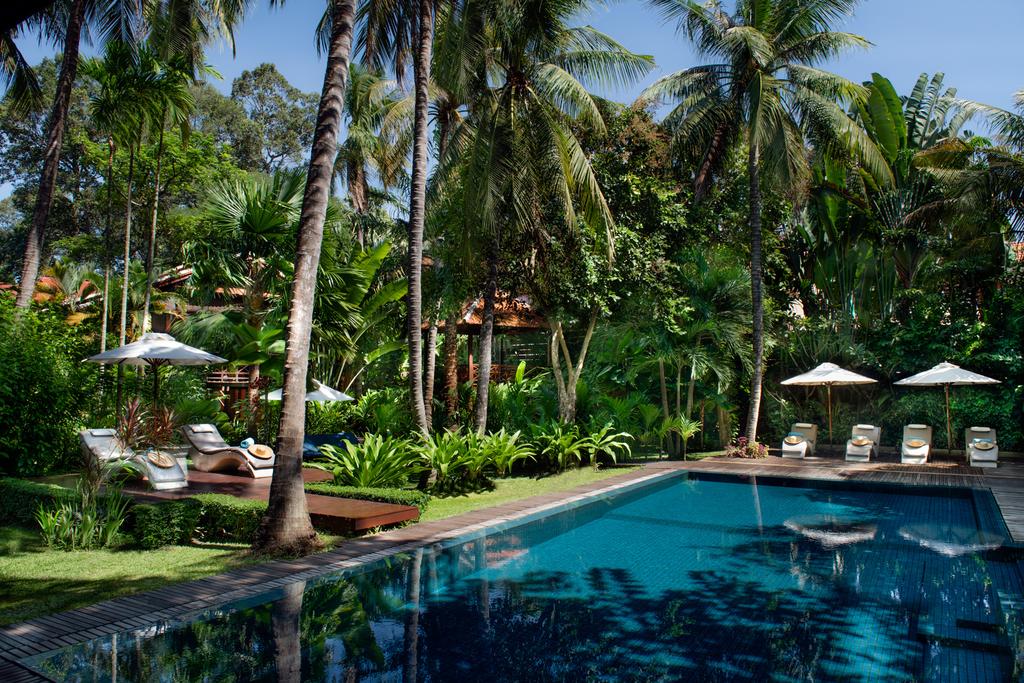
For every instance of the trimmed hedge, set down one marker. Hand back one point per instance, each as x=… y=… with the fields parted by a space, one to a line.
x=396 y=496
x=204 y=517
x=158 y=524
x=19 y=500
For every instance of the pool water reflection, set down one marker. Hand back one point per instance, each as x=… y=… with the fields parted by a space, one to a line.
x=704 y=579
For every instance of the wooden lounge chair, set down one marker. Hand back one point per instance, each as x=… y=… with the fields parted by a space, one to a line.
x=211 y=453
x=800 y=441
x=161 y=471
x=982 y=447
x=917 y=444
x=863 y=443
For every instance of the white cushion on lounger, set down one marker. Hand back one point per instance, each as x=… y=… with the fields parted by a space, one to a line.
x=202 y=429
x=102 y=432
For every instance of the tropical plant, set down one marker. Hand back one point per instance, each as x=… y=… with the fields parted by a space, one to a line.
x=448 y=455
x=605 y=442
x=86 y=522
x=377 y=462
x=764 y=89
x=558 y=445
x=502 y=450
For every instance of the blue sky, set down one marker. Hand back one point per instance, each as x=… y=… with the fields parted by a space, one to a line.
x=976 y=44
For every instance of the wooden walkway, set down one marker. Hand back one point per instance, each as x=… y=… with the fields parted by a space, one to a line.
x=329 y=513
x=189 y=600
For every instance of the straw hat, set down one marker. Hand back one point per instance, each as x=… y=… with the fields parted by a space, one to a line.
x=983 y=445
x=860 y=441
x=258 y=450
x=160 y=459
x=916 y=443
x=793 y=439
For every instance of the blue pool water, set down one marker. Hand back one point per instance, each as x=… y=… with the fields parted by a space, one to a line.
x=715 y=579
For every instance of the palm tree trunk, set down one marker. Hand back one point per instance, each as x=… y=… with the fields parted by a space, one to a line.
x=123 y=334
x=757 y=295
x=151 y=254
x=107 y=230
x=285 y=621
x=451 y=370
x=286 y=528
x=428 y=378
x=417 y=210
x=51 y=158
x=483 y=380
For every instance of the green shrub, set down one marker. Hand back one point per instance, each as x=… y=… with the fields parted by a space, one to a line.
x=379 y=495
x=171 y=523
x=46 y=392
x=558 y=445
x=20 y=499
x=226 y=518
x=204 y=517
x=377 y=462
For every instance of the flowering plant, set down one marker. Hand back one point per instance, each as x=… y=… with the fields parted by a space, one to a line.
x=742 y=448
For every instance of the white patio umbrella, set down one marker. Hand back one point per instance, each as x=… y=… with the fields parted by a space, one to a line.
x=946 y=375
x=321 y=393
x=828 y=375
x=155 y=349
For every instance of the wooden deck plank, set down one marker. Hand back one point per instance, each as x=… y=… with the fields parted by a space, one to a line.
x=329 y=513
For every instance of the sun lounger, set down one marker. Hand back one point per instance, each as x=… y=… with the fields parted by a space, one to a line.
x=863 y=443
x=799 y=443
x=917 y=444
x=982 y=447
x=161 y=470
x=211 y=453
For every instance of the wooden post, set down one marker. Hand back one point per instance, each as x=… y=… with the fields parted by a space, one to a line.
x=949 y=424
x=469 y=355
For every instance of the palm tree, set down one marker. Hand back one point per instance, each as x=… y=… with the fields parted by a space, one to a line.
x=71 y=31
x=373 y=143
x=519 y=157
x=174 y=99
x=764 y=90
x=247 y=250
x=286 y=528
x=394 y=31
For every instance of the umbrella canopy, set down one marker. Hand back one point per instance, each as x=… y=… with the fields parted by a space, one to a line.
x=155 y=349
x=828 y=375
x=946 y=375
x=321 y=393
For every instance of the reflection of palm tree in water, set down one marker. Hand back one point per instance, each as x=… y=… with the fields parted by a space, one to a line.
x=284 y=621
x=412 y=617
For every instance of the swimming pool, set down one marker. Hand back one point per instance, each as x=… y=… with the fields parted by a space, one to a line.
x=709 y=578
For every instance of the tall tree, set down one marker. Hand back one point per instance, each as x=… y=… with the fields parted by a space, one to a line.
x=763 y=89
x=286 y=528
x=520 y=159
x=392 y=32
x=176 y=103
x=51 y=161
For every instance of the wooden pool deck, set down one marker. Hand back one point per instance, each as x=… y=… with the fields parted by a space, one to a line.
x=189 y=600
x=336 y=515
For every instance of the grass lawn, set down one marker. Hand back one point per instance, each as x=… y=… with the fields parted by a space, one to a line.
x=514 y=488
x=35 y=580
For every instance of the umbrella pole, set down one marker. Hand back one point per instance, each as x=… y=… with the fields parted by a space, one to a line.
x=949 y=424
x=829 y=414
